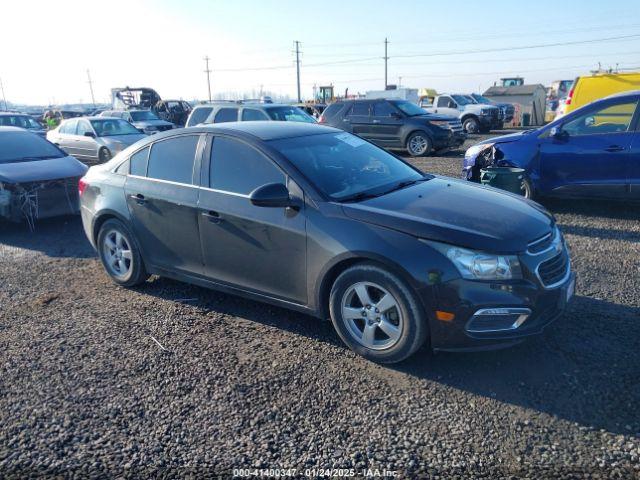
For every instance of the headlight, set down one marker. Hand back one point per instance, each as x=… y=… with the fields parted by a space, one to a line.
x=479 y=265
x=476 y=149
x=485 y=111
x=440 y=123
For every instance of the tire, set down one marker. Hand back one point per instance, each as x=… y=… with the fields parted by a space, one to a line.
x=418 y=144
x=400 y=314
x=527 y=189
x=114 y=241
x=471 y=125
x=104 y=155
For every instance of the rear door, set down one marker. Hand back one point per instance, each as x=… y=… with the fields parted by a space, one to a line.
x=634 y=159
x=66 y=137
x=163 y=201
x=357 y=119
x=257 y=249
x=592 y=156
x=386 y=123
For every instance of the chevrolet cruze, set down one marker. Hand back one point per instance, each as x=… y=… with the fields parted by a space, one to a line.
x=318 y=220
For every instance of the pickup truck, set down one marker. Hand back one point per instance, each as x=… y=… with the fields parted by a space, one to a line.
x=475 y=118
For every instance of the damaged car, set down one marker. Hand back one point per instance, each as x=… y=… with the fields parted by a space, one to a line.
x=37 y=179
x=593 y=152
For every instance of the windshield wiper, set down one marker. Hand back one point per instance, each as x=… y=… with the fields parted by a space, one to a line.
x=360 y=196
x=30 y=159
x=406 y=183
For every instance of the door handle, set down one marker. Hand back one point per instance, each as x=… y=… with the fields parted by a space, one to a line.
x=346 y=120
x=614 y=148
x=139 y=198
x=375 y=121
x=213 y=217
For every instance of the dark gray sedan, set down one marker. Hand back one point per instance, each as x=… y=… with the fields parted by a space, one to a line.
x=94 y=139
x=321 y=221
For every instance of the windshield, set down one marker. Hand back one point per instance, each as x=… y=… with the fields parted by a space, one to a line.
x=289 y=114
x=21 y=121
x=345 y=167
x=111 y=127
x=143 y=115
x=481 y=99
x=23 y=146
x=461 y=100
x=409 y=108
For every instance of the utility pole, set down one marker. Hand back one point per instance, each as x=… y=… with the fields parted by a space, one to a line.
x=4 y=99
x=386 y=57
x=208 y=72
x=90 y=82
x=399 y=82
x=298 y=68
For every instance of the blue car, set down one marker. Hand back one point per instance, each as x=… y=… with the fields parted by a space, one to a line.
x=592 y=152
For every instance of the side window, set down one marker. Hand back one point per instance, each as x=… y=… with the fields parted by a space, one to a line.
x=173 y=159
x=251 y=114
x=611 y=119
x=138 y=162
x=226 y=115
x=236 y=167
x=359 y=108
x=199 y=115
x=71 y=127
x=443 y=101
x=383 y=109
x=83 y=127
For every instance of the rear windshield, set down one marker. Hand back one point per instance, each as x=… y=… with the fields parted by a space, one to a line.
x=289 y=114
x=24 y=146
x=144 y=115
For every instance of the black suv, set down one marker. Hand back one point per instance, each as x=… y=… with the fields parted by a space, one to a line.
x=396 y=124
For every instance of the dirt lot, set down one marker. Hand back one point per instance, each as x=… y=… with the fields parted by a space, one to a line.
x=171 y=378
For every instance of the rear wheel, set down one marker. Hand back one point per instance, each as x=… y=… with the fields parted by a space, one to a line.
x=376 y=314
x=120 y=255
x=527 y=189
x=418 y=144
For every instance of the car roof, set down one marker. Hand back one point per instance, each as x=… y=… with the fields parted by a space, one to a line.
x=628 y=93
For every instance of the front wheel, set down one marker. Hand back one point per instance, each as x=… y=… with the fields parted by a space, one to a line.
x=418 y=144
x=120 y=255
x=471 y=125
x=527 y=189
x=376 y=314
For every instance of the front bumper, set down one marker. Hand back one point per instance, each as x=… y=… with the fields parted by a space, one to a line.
x=467 y=298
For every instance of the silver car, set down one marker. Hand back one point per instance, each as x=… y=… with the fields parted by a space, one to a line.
x=94 y=139
x=144 y=120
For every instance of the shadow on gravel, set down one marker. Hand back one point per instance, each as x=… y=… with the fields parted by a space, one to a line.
x=594 y=208
x=55 y=237
x=584 y=369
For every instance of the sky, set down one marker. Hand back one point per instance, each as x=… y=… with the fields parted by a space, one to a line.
x=450 y=46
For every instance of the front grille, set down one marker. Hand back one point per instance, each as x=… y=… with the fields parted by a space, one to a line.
x=456 y=126
x=541 y=244
x=553 y=270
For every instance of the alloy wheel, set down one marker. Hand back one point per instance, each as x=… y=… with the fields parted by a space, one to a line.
x=117 y=253
x=418 y=145
x=372 y=316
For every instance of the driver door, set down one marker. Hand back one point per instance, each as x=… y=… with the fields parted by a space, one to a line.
x=590 y=153
x=446 y=106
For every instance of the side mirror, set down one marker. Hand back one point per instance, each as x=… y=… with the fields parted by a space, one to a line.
x=558 y=133
x=274 y=195
x=396 y=115
x=90 y=134
x=452 y=105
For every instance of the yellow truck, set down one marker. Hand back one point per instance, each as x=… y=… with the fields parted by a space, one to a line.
x=599 y=85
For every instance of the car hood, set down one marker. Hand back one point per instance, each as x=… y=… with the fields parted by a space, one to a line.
x=511 y=137
x=125 y=140
x=40 y=170
x=458 y=213
x=151 y=123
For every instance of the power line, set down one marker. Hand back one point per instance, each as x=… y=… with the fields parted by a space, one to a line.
x=208 y=72
x=526 y=47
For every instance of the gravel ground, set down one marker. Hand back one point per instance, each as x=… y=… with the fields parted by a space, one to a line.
x=170 y=379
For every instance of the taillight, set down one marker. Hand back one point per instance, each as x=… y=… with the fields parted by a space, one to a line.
x=568 y=99
x=82 y=184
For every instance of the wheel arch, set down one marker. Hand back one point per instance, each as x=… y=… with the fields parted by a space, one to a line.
x=413 y=130
x=340 y=264
x=99 y=220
